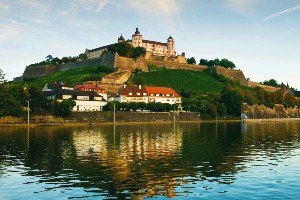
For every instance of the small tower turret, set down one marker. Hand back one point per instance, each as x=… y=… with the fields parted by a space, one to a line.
x=171 y=46
x=121 y=39
x=137 y=38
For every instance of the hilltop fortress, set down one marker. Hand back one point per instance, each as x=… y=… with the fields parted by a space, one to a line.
x=157 y=53
x=154 y=50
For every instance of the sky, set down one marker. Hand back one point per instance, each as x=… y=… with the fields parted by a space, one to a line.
x=262 y=37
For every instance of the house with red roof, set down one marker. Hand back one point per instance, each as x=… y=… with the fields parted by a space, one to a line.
x=92 y=87
x=147 y=94
x=85 y=100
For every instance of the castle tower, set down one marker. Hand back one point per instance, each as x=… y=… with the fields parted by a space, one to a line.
x=171 y=46
x=121 y=39
x=137 y=38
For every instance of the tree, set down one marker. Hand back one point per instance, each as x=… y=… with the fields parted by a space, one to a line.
x=138 y=52
x=191 y=61
x=9 y=105
x=203 y=62
x=49 y=58
x=2 y=77
x=232 y=99
x=65 y=60
x=227 y=64
x=271 y=82
x=63 y=108
x=82 y=56
x=56 y=60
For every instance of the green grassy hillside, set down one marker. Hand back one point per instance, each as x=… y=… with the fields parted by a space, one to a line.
x=178 y=79
x=69 y=77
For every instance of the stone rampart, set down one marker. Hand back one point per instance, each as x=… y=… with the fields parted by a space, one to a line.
x=107 y=59
x=262 y=112
x=174 y=65
x=129 y=63
x=265 y=87
x=234 y=75
x=38 y=71
x=118 y=77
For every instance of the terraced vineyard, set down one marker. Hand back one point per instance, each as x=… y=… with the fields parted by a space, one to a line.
x=193 y=81
x=69 y=77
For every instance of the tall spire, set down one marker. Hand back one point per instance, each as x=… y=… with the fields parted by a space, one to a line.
x=137 y=31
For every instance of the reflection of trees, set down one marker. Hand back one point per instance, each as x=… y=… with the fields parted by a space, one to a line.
x=142 y=160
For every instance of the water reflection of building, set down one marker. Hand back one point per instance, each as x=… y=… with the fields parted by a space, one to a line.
x=136 y=150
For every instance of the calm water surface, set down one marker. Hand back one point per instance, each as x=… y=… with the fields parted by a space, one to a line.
x=160 y=161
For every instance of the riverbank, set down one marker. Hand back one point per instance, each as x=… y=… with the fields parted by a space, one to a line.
x=271 y=120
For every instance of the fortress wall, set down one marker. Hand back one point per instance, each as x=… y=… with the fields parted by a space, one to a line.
x=38 y=71
x=130 y=64
x=265 y=87
x=173 y=65
x=106 y=59
x=235 y=75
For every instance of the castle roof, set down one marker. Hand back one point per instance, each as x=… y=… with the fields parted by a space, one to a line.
x=96 y=49
x=137 y=31
x=121 y=38
x=154 y=42
x=170 y=38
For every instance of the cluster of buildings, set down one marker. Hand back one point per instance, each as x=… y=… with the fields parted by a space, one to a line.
x=152 y=47
x=90 y=97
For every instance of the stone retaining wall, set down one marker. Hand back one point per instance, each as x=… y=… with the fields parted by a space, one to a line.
x=38 y=71
x=96 y=117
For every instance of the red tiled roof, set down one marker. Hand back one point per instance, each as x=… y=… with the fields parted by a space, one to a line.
x=161 y=90
x=89 y=87
x=125 y=90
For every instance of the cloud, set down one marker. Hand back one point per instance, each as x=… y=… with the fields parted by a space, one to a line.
x=100 y=4
x=4 y=6
x=156 y=7
x=289 y=10
x=242 y=7
x=36 y=5
x=9 y=32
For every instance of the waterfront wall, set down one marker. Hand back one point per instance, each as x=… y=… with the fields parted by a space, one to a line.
x=104 y=117
x=97 y=117
x=262 y=112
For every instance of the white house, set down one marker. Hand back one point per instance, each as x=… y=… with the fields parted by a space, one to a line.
x=85 y=100
x=147 y=94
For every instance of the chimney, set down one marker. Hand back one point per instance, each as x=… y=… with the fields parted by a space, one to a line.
x=124 y=86
x=140 y=87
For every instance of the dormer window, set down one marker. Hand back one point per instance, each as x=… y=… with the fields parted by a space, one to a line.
x=130 y=93
x=138 y=93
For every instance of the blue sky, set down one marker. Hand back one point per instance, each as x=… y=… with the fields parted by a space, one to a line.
x=261 y=36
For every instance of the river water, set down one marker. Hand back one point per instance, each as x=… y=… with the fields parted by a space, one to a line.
x=160 y=161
